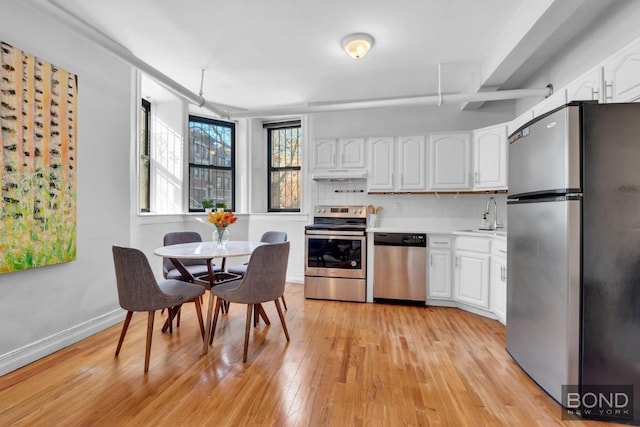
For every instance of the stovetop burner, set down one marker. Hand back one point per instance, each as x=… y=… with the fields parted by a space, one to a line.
x=339 y=218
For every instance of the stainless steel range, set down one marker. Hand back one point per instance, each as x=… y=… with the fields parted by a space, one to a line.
x=336 y=254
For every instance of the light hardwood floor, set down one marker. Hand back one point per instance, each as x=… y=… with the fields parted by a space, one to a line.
x=347 y=364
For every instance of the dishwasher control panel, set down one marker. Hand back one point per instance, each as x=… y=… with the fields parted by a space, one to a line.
x=400 y=239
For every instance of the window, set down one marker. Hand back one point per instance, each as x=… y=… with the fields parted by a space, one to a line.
x=211 y=162
x=284 y=166
x=144 y=151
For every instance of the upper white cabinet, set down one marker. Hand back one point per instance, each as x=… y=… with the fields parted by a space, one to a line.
x=449 y=161
x=397 y=163
x=342 y=153
x=622 y=75
x=589 y=87
x=490 y=158
x=411 y=163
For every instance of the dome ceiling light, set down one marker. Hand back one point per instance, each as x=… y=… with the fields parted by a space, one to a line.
x=357 y=45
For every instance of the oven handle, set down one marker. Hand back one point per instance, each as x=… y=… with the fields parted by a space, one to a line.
x=334 y=233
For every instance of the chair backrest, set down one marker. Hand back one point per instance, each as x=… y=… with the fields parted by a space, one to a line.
x=138 y=289
x=176 y=238
x=274 y=237
x=266 y=274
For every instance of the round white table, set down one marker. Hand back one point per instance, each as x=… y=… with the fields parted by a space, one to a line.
x=207 y=251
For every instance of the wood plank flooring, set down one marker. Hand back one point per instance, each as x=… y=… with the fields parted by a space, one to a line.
x=347 y=364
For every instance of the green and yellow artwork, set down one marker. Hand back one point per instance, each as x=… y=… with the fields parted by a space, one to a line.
x=38 y=114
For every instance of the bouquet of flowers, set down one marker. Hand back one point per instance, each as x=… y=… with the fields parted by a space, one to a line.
x=221 y=220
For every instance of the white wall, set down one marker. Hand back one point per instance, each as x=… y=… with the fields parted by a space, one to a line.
x=47 y=308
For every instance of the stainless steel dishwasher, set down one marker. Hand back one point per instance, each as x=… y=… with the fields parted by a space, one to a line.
x=400 y=266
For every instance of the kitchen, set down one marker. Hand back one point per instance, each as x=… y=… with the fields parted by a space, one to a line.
x=432 y=211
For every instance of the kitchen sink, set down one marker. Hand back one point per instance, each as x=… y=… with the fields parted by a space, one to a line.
x=499 y=232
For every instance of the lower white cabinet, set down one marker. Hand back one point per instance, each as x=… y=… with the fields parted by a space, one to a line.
x=471 y=271
x=499 y=288
x=499 y=279
x=439 y=283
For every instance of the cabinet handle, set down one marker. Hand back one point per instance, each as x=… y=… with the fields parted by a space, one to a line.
x=457 y=260
x=594 y=94
x=608 y=91
x=502 y=250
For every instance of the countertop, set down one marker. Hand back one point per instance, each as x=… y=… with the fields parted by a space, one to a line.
x=436 y=226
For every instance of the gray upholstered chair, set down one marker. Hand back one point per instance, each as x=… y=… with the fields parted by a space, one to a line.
x=267 y=237
x=264 y=281
x=138 y=290
x=197 y=267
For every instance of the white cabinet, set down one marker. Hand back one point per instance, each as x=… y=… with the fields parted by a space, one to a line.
x=342 y=153
x=411 y=163
x=498 y=280
x=490 y=158
x=471 y=273
x=449 y=161
x=439 y=283
x=588 y=87
x=397 y=163
x=622 y=75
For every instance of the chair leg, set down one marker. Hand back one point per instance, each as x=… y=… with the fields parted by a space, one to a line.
x=178 y=321
x=199 y=314
x=247 y=328
x=284 y=302
x=216 y=313
x=125 y=326
x=284 y=325
x=147 y=353
x=207 y=334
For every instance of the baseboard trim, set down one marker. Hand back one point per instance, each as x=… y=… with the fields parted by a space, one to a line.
x=295 y=278
x=31 y=352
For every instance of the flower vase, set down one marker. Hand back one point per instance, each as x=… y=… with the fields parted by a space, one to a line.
x=221 y=236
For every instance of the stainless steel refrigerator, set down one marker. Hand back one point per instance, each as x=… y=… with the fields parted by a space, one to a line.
x=573 y=296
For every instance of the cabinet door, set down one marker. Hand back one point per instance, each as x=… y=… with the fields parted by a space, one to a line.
x=449 y=161
x=588 y=87
x=499 y=288
x=490 y=158
x=324 y=153
x=439 y=283
x=351 y=153
x=472 y=278
x=622 y=75
x=411 y=163
x=381 y=163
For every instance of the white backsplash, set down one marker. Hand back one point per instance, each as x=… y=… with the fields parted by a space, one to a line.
x=467 y=208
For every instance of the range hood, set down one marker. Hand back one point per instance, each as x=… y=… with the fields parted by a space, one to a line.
x=339 y=175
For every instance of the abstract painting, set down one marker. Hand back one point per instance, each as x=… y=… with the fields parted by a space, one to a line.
x=38 y=114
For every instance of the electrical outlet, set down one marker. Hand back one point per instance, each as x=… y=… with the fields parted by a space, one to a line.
x=396 y=207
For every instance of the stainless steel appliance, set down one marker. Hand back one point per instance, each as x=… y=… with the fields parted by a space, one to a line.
x=400 y=268
x=573 y=297
x=336 y=254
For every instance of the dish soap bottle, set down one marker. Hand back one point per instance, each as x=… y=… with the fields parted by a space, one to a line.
x=484 y=224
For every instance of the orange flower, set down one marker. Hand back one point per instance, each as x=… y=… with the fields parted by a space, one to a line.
x=222 y=219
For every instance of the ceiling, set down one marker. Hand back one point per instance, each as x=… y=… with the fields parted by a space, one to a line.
x=266 y=54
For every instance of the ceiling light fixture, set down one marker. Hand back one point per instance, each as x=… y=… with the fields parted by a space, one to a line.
x=357 y=45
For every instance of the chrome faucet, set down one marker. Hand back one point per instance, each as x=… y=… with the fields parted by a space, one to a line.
x=496 y=223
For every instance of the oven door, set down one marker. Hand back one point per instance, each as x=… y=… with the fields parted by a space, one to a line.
x=334 y=254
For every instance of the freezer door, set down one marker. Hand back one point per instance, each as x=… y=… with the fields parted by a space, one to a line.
x=543 y=291
x=544 y=157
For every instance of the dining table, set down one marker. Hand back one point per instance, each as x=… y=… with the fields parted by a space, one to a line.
x=209 y=251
